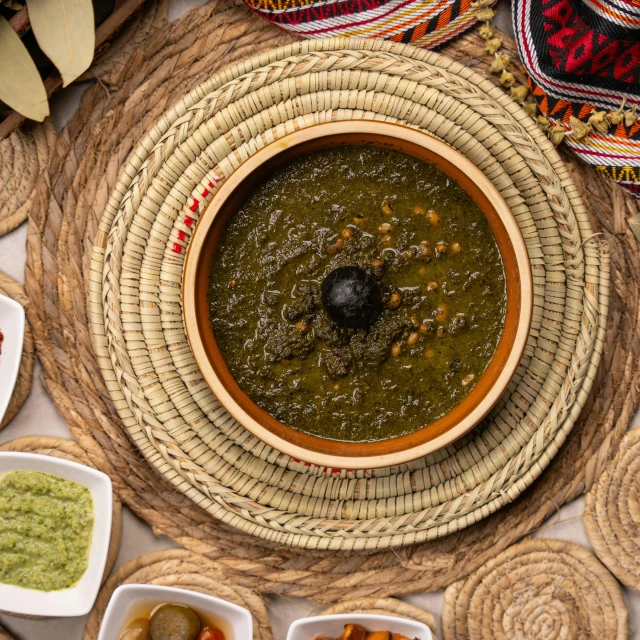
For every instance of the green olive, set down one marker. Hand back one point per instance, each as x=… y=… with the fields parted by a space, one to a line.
x=174 y=622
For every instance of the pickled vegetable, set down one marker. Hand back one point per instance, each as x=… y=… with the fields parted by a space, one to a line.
x=174 y=622
x=211 y=633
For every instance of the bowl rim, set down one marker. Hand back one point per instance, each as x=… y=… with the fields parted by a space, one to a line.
x=11 y=356
x=79 y=599
x=240 y=619
x=392 y=451
x=395 y=624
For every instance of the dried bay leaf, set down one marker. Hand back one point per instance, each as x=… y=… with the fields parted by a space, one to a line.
x=65 y=31
x=21 y=86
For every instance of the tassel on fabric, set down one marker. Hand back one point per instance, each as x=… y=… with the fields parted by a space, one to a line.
x=556 y=134
x=486 y=31
x=618 y=116
x=500 y=63
x=630 y=117
x=544 y=123
x=492 y=45
x=600 y=121
x=507 y=79
x=579 y=130
x=484 y=15
x=519 y=93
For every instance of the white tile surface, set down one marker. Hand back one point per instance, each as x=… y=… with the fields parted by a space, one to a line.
x=39 y=417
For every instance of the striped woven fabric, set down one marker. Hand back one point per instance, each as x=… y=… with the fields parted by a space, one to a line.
x=425 y=23
x=583 y=62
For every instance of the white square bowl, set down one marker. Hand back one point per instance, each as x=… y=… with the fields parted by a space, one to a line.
x=333 y=626
x=77 y=600
x=116 y=615
x=12 y=327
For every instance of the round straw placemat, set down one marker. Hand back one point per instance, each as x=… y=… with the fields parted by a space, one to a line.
x=23 y=156
x=183 y=570
x=69 y=450
x=612 y=513
x=547 y=589
x=89 y=155
x=15 y=291
x=163 y=400
x=385 y=607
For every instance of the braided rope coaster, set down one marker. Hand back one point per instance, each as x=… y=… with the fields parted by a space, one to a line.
x=547 y=589
x=12 y=289
x=612 y=513
x=69 y=450
x=164 y=402
x=84 y=168
x=23 y=156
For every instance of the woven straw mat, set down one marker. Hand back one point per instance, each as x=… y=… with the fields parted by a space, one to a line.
x=612 y=513
x=15 y=291
x=84 y=168
x=139 y=336
x=23 y=155
x=537 y=589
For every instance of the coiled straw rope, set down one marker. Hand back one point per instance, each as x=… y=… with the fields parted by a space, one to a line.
x=546 y=589
x=23 y=156
x=612 y=513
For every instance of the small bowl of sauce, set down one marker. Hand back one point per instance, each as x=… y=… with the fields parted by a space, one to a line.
x=55 y=529
x=155 y=612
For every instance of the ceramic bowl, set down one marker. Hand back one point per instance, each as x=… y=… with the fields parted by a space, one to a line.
x=129 y=599
x=358 y=455
x=333 y=626
x=78 y=600
x=12 y=328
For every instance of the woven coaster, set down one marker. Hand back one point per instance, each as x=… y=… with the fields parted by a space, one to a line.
x=612 y=513
x=23 y=156
x=69 y=450
x=386 y=607
x=543 y=589
x=89 y=155
x=15 y=291
x=184 y=570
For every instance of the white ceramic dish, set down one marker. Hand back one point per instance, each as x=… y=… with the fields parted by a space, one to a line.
x=12 y=327
x=78 y=600
x=333 y=626
x=124 y=598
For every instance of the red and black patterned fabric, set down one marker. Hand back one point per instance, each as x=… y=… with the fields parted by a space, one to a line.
x=583 y=56
x=425 y=23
